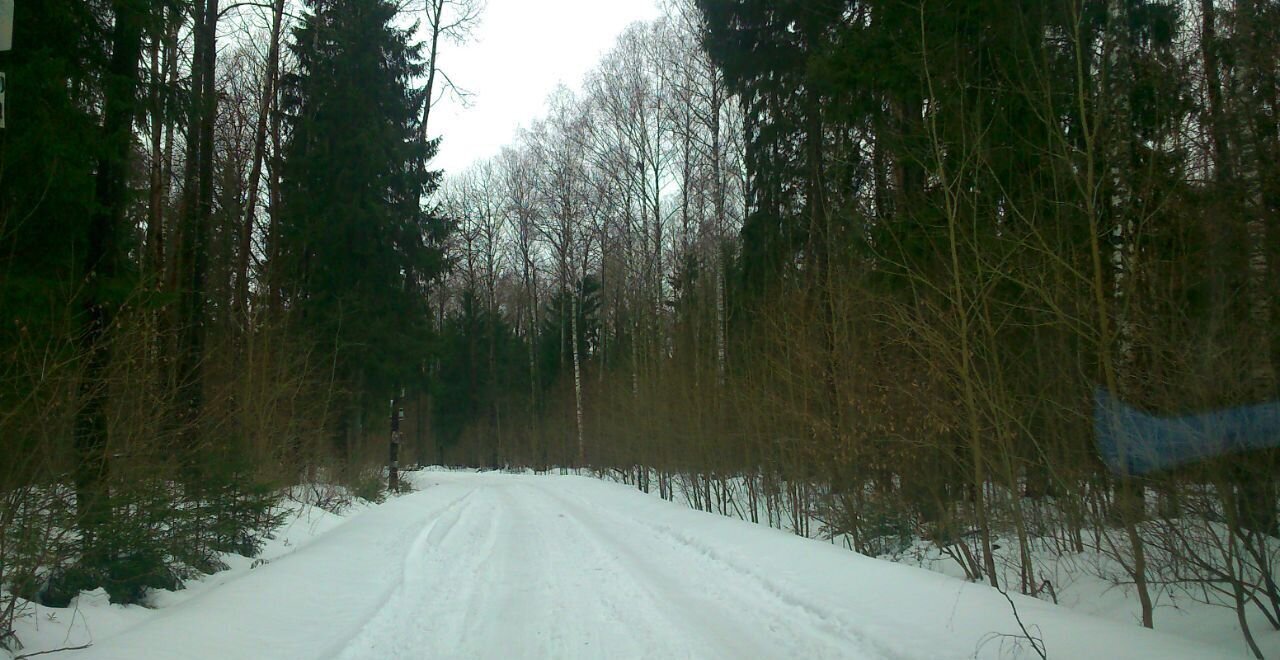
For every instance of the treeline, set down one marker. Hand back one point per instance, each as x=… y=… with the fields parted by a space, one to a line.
x=573 y=247
x=218 y=245
x=871 y=262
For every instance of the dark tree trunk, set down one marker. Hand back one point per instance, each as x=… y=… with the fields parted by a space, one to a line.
x=199 y=209
x=103 y=264
x=435 y=17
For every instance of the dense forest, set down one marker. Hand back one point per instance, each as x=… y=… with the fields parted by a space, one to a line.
x=870 y=267
x=872 y=264
x=218 y=247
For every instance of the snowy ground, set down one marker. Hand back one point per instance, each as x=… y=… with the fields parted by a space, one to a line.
x=1092 y=582
x=502 y=566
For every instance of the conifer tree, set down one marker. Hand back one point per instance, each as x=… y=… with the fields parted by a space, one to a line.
x=357 y=243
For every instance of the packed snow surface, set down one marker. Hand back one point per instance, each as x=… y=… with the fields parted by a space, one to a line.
x=521 y=566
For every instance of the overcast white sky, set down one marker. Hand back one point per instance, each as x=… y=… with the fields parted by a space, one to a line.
x=521 y=51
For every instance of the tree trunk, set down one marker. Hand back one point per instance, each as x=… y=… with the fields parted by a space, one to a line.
x=155 y=210
x=435 y=15
x=273 y=182
x=259 y=155
x=198 y=212
x=102 y=266
x=577 y=385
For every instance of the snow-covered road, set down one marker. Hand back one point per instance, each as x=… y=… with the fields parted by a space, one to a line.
x=504 y=566
x=520 y=567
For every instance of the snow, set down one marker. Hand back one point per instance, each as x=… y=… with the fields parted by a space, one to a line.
x=510 y=566
x=1092 y=582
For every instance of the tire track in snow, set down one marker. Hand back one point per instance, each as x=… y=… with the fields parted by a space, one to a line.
x=623 y=608
x=838 y=637
x=630 y=587
x=516 y=569
x=465 y=582
x=538 y=588
x=373 y=630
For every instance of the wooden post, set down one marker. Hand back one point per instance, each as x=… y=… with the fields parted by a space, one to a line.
x=393 y=472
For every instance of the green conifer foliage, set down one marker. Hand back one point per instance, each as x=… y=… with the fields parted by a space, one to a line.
x=357 y=243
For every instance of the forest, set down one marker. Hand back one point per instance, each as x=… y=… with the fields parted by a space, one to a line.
x=865 y=269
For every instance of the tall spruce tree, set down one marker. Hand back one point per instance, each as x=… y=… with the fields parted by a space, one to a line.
x=357 y=244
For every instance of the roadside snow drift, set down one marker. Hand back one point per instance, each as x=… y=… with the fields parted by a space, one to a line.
x=505 y=566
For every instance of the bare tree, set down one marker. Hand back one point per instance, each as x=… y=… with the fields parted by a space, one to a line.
x=447 y=20
x=266 y=107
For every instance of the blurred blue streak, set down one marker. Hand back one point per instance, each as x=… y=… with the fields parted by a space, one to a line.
x=1132 y=441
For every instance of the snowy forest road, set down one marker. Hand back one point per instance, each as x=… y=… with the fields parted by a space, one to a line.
x=517 y=566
